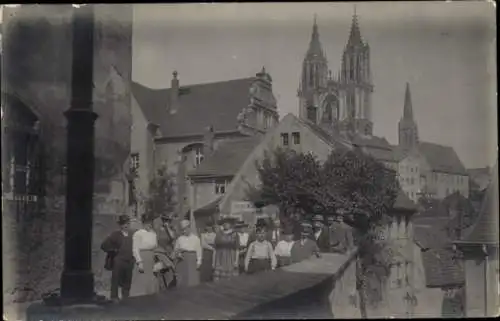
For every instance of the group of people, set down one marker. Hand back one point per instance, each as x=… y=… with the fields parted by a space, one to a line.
x=152 y=258
x=158 y=256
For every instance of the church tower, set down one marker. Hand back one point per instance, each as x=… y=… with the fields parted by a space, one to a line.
x=356 y=83
x=408 y=132
x=313 y=81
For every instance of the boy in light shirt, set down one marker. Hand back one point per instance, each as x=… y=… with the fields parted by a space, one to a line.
x=283 y=250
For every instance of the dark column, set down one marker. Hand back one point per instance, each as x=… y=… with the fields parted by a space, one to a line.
x=77 y=281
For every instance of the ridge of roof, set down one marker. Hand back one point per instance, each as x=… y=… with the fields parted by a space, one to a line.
x=219 y=104
x=196 y=84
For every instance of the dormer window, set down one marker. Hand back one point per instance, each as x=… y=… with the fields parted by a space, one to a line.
x=198 y=155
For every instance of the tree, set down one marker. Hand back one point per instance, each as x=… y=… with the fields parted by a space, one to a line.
x=349 y=183
x=161 y=197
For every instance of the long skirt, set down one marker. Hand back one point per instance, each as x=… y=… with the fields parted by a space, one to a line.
x=284 y=260
x=225 y=264
x=145 y=283
x=187 y=271
x=259 y=265
x=207 y=270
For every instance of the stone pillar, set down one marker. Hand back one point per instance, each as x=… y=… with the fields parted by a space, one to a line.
x=77 y=280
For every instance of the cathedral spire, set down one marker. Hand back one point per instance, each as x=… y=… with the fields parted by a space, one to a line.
x=315 y=44
x=355 y=34
x=408 y=131
x=408 y=109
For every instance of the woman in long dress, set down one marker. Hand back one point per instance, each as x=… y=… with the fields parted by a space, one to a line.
x=188 y=251
x=207 y=243
x=144 y=242
x=226 y=255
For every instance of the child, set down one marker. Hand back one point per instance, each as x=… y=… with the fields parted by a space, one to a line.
x=260 y=255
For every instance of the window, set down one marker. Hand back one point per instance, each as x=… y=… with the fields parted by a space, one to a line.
x=284 y=139
x=220 y=187
x=198 y=156
x=296 y=138
x=134 y=162
x=412 y=181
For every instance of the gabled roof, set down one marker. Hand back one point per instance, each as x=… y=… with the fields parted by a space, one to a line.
x=217 y=104
x=485 y=229
x=331 y=138
x=442 y=158
x=227 y=159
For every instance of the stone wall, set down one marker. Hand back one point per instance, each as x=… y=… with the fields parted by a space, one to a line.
x=344 y=299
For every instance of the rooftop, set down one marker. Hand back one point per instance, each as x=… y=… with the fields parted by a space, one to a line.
x=200 y=105
x=227 y=158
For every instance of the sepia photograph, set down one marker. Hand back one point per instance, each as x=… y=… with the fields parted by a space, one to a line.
x=319 y=160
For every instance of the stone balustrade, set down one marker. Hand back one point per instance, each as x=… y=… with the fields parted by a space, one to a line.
x=318 y=287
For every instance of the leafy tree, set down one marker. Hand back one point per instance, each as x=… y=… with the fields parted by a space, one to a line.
x=161 y=197
x=349 y=183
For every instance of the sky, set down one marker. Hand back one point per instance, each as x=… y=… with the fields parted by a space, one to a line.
x=445 y=50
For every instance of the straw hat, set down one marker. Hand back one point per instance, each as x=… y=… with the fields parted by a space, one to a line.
x=318 y=218
x=227 y=219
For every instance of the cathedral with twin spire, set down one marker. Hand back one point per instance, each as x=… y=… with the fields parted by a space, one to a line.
x=341 y=104
x=338 y=101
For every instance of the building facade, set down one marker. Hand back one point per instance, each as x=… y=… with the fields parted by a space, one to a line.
x=172 y=128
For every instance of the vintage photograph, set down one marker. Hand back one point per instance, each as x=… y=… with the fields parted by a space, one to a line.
x=249 y=161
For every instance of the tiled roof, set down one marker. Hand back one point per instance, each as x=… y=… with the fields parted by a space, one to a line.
x=442 y=268
x=485 y=229
x=371 y=141
x=217 y=104
x=431 y=237
x=439 y=260
x=442 y=158
x=228 y=158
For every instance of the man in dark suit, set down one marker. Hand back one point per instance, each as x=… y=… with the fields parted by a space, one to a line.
x=119 y=260
x=321 y=234
x=340 y=235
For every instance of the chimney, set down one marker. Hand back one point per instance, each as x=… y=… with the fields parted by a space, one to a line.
x=174 y=93
x=208 y=140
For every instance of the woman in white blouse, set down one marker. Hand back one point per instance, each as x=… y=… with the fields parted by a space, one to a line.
x=188 y=250
x=144 y=242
